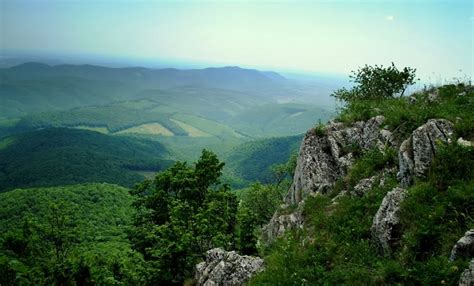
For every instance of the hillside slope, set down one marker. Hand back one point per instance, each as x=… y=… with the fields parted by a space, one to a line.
x=380 y=200
x=59 y=156
x=251 y=161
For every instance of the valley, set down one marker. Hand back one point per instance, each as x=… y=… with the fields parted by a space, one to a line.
x=171 y=113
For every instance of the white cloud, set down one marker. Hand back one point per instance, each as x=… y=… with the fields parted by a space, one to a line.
x=390 y=18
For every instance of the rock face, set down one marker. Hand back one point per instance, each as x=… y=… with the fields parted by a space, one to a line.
x=464 y=247
x=226 y=268
x=324 y=158
x=467 y=277
x=417 y=152
x=386 y=224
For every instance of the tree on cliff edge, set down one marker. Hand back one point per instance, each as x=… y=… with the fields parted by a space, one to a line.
x=377 y=82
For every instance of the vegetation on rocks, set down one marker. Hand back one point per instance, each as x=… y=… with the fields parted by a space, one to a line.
x=336 y=246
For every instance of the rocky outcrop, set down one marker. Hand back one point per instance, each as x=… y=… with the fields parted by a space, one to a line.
x=363 y=186
x=464 y=246
x=325 y=155
x=323 y=158
x=226 y=268
x=417 y=152
x=283 y=220
x=467 y=277
x=386 y=224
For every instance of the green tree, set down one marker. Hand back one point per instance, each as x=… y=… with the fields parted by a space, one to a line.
x=181 y=214
x=377 y=82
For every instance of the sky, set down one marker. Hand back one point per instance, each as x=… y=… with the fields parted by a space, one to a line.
x=436 y=37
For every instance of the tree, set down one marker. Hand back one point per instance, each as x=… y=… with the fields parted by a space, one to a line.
x=377 y=82
x=43 y=247
x=183 y=213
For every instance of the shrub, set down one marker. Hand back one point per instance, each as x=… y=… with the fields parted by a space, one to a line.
x=377 y=82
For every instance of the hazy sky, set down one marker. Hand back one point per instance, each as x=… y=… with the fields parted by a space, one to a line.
x=327 y=36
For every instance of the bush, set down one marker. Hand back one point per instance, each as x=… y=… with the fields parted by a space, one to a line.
x=377 y=82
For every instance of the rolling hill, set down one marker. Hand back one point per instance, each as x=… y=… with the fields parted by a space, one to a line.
x=61 y=156
x=251 y=161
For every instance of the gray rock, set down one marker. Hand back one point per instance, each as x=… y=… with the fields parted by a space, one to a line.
x=467 y=277
x=325 y=158
x=424 y=142
x=363 y=186
x=464 y=246
x=386 y=224
x=405 y=163
x=282 y=221
x=433 y=97
x=226 y=268
x=417 y=152
x=464 y=143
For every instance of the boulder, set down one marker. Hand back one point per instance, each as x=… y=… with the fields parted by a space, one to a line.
x=417 y=152
x=283 y=220
x=363 y=186
x=433 y=97
x=467 y=277
x=464 y=143
x=386 y=223
x=464 y=247
x=226 y=268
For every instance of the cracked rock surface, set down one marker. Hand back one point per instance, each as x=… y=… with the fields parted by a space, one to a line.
x=417 y=152
x=467 y=277
x=323 y=158
x=226 y=268
x=464 y=246
x=386 y=224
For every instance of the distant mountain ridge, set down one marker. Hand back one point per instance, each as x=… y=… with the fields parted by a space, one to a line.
x=166 y=77
x=37 y=87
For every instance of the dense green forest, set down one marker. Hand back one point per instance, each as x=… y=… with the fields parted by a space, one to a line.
x=54 y=236
x=61 y=156
x=255 y=161
x=99 y=234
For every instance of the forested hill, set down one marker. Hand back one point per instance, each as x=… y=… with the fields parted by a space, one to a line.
x=61 y=156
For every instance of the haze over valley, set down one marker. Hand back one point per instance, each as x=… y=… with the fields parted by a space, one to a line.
x=229 y=143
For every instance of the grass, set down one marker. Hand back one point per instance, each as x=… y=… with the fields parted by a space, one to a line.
x=209 y=126
x=403 y=117
x=102 y=130
x=191 y=130
x=150 y=128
